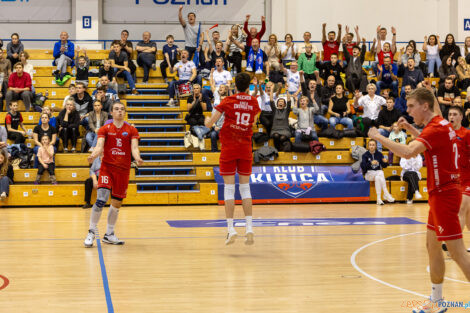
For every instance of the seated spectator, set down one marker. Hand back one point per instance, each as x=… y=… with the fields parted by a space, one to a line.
x=108 y=71
x=463 y=72
x=301 y=47
x=253 y=33
x=407 y=54
x=447 y=70
x=14 y=48
x=465 y=50
x=146 y=51
x=215 y=130
x=5 y=71
x=273 y=51
x=339 y=109
x=288 y=50
x=333 y=68
x=466 y=110
x=46 y=161
x=412 y=76
x=416 y=55
x=371 y=104
x=68 y=121
x=219 y=53
x=220 y=75
x=13 y=121
x=410 y=173
x=327 y=92
x=234 y=47
x=3 y=138
x=387 y=49
x=63 y=53
x=356 y=79
x=186 y=73
x=293 y=79
x=386 y=121
x=120 y=63
x=41 y=130
x=280 y=131
x=446 y=95
x=311 y=91
x=170 y=54
x=96 y=119
x=92 y=181
x=108 y=87
x=387 y=76
x=307 y=64
x=396 y=135
x=257 y=61
x=266 y=115
x=305 y=123
x=105 y=100
x=83 y=65
x=330 y=45
x=72 y=93
x=52 y=121
x=450 y=49
x=372 y=164
x=432 y=46
x=83 y=103
x=6 y=175
x=191 y=30
x=401 y=104
x=19 y=87
x=195 y=117
x=127 y=48
x=27 y=67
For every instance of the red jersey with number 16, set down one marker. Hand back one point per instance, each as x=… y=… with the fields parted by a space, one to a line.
x=463 y=142
x=117 y=144
x=441 y=155
x=235 y=136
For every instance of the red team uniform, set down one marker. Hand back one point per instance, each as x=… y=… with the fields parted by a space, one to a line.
x=235 y=136
x=443 y=180
x=116 y=163
x=463 y=142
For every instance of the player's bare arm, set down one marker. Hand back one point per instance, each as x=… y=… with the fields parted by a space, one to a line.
x=403 y=123
x=405 y=151
x=210 y=121
x=97 y=150
x=135 y=151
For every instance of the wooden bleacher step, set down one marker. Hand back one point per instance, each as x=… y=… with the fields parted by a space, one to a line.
x=160 y=129
x=166 y=157
x=145 y=97
x=141 y=104
x=167 y=187
x=174 y=173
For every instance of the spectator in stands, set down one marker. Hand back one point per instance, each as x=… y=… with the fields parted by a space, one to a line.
x=14 y=48
x=120 y=63
x=108 y=71
x=215 y=39
x=13 y=121
x=220 y=92
x=219 y=53
x=307 y=64
x=333 y=68
x=386 y=119
x=288 y=50
x=408 y=53
x=305 y=123
x=411 y=174
x=146 y=51
x=72 y=92
x=46 y=160
x=63 y=53
x=387 y=49
x=382 y=39
x=257 y=61
x=195 y=117
x=293 y=79
x=401 y=103
x=127 y=48
x=387 y=76
x=348 y=43
x=44 y=129
x=397 y=135
x=83 y=65
x=371 y=104
x=301 y=47
x=92 y=181
x=19 y=87
x=253 y=33
x=170 y=54
x=447 y=70
x=280 y=130
x=432 y=46
x=372 y=164
x=330 y=44
x=266 y=115
x=339 y=109
x=465 y=49
x=3 y=138
x=104 y=99
x=191 y=30
x=411 y=75
x=219 y=75
x=446 y=95
x=83 y=103
x=273 y=52
x=27 y=67
x=108 y=87
x=466 y=111
x=327 y=92
x=311 y=91
x=450 y=48
x=234 y=47
x=96 y=119
x=68 y=121
x=463 y=71
x=5 y=70
x=186 y=73
x=52 y=121
x=356 y=79
x=6 y=175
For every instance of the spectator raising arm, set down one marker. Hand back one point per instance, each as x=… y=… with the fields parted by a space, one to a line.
x=180 y=16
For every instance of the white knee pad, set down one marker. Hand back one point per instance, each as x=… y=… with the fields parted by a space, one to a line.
x=245 y=192
x=229 y=192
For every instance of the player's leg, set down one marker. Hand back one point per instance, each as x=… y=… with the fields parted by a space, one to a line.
x=372 y=176
x=244 y=172
x=459 y=254
x=387 y=194
x=229 y=200
x=464 y=208
x=102 y=196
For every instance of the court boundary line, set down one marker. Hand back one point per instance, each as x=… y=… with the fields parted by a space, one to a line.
x=104 y=276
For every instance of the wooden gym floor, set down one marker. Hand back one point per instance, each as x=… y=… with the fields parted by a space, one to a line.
x=351 y=268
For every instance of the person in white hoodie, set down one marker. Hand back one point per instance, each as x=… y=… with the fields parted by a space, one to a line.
x=411 y=174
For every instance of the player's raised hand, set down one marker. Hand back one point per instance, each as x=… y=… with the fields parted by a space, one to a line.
x=403 y=123
x=181 y=8
x=373 y=133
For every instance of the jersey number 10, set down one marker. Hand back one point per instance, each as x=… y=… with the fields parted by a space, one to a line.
x=242 y=118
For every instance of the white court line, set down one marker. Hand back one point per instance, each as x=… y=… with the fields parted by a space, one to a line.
x=452 y=279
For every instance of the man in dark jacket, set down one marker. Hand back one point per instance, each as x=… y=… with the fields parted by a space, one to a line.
x=356 y=79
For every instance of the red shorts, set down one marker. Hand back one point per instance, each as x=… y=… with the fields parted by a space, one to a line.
x=115 y=179
x=240 y=166
x=444 y=214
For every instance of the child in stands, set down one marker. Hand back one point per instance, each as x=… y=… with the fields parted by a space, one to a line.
x=46 y=160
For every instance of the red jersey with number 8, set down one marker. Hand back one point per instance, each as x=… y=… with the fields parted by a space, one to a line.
x=117 y=145
x=442 y=155
x=235 y=136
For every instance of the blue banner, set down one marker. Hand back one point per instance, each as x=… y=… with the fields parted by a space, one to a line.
x=302 y=184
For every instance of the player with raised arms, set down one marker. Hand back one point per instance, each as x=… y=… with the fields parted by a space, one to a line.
x=236 y=154
x=438 y=141
x=118 y=140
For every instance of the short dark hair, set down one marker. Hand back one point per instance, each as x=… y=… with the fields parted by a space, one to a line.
x=334 y=53
x=242 y=81
x=101 y=88
x=448 y=78
x=458 y=108
x=332 y=32
x=117 y=102
x=15 y=34
x=192 y=14
x=125 y=31
x=18 y=64
x=116 y=42
x=383 y=28
x=219 y=58
x=80 y=84
x=72 y=85
x=170 y=36
x=215 y=31
x=356 y=47
x=390 y=98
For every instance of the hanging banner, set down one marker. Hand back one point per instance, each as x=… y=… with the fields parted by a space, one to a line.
x=36 y=11
x=302 y=184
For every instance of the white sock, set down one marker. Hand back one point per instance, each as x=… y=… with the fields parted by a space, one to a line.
x=94 y=218
x=436 y=293
x=230 y=226
x=112 y=218
x=249 y=224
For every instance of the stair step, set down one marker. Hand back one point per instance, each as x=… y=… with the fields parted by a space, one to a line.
x=154 y=115
x=166 y=156
x=147 y=103
x=161 y=142
x=146 y=97
x=167 y=187
x=164 y=171
x=160 y=128
x=150 y=91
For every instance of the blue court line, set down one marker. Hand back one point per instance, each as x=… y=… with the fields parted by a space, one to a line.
x=107 y=293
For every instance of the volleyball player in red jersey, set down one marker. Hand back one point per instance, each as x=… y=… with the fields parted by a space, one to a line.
x=119 y=141
x=236 y=154
x=438 y=141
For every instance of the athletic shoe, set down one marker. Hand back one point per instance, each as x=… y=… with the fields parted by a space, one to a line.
x=431 y=307
x=66 y=150
x=418 y=196
x=87 y=205
x=73 y=150
x=249 y=239
x=135 y=92
x=409 y=201
x=230 y=238
x=90 y=150
x=389 y=198
x=112 y=239
x=380 y=202
x=171 y=103
x=89 y=239
x=3 y=196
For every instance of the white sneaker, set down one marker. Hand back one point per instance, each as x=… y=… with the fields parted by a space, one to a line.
x=89 y=239
x=73 y=149
x=409 y=201
x=380 y=202
x=112 y=239
x=66 y=150
x=418 y=196
x=171 y=103
x=430 y=307
x=389 y=198
x=249 y=239
x=3 y=196
x=90 y=150
x=230 y=238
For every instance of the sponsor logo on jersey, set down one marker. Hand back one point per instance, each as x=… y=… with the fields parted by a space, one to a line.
x=117 y=151
x=125 y=134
